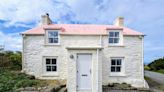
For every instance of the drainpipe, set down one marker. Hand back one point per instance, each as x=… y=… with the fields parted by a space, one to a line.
x=97 y=70
x=100 y=41
x=98 y=62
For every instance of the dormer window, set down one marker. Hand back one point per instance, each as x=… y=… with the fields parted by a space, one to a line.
x=115 y=37
x=52 y=37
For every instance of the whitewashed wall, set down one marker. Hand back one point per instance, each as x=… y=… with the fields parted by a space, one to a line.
x=35 y=49
x=132 y=52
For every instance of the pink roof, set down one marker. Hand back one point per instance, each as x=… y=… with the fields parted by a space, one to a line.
x=81 y=29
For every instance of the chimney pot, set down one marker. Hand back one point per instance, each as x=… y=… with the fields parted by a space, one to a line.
x=47 y=14
x=119 y=21
x=45 y=19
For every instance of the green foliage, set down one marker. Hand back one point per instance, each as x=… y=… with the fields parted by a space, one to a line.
x=160 y=71
x=157 y=64
x=146 y=67
x=11 y=80
x=11 y=60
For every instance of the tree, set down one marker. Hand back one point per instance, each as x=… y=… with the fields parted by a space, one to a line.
x=157 y=64
x=11 y=59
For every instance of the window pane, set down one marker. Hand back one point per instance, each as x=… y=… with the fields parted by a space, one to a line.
x=116 y=34
x=53 y=61
x=54 y=68
x=118 y=69
x=111 y=34
x=118 y=61
x=55 y=40
x=55 y=34
x=50 y=40
x=110 y=40
x=48 y=68
x=112 y=69
x=113 y=62
x=116 y=40
x=47 y=61
x=52 y=34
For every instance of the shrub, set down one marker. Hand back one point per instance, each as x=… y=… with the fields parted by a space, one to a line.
x=10 y=59
x=157 y=64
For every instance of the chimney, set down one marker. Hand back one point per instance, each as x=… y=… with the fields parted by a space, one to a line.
x=45 y=19
x=119 y=21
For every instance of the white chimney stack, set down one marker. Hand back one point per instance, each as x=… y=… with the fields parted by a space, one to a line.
x=119 y=21
x=45 y=19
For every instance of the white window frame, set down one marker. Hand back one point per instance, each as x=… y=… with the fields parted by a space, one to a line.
x=122 y=71
x=120 y=37
x=50 y=73
x=116 y=64
x=47 y=37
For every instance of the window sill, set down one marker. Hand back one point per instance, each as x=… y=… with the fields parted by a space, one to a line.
x=115 y=45
x=116 y=74
x=52 y=44
x=51 y=74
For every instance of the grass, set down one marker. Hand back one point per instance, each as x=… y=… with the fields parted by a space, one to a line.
x=149 y=69
x=160 y=71
x=11 y=80
x=146 y=67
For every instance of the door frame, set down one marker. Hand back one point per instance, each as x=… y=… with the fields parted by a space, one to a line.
x=91 y=70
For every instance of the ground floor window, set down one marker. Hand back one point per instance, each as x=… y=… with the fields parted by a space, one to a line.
x=116 y=64
x=51 y=64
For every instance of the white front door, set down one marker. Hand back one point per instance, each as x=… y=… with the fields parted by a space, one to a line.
x=84 y=63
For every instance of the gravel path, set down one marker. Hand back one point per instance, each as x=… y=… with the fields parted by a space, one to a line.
x=155 y=76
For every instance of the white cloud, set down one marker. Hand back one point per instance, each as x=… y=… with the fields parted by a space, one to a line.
x=143 y=15
x=11 y=41
x=28 y=11
x=93 y=11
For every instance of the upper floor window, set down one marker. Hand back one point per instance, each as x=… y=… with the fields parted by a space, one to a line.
x=114 y=37
x=116 y=64
x=53 y=37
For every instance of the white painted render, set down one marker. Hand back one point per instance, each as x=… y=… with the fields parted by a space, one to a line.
x=35 y=49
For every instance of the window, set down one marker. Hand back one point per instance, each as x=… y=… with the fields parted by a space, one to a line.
x=53 y=37
x=114 y=37
x=51 y=64
x=116 y=64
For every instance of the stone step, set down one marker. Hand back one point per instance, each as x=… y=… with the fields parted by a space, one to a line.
x=63 y=89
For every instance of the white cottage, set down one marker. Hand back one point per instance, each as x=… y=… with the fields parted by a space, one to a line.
x=86 y=56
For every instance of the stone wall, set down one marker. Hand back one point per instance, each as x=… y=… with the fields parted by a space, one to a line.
x=35 y=49
x=132 y=53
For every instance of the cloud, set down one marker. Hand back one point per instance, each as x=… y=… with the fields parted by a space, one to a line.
x=25 y=12
x=12 y=41
x=142 y=15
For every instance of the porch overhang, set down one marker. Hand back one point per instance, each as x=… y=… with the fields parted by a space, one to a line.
x=84 y=47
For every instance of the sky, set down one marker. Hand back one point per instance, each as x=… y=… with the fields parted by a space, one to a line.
x=146 y=16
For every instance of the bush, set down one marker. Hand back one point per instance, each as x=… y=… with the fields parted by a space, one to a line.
x=10 y=59
x=11 y=80
x=157 y=64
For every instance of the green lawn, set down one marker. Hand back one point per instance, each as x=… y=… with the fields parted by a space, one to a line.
x=11 y=80
x=160 y=71
x=146 y=67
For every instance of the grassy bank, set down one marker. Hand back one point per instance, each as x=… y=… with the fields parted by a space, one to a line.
x=149 y=69
x=11 y=80
x=160 y=71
